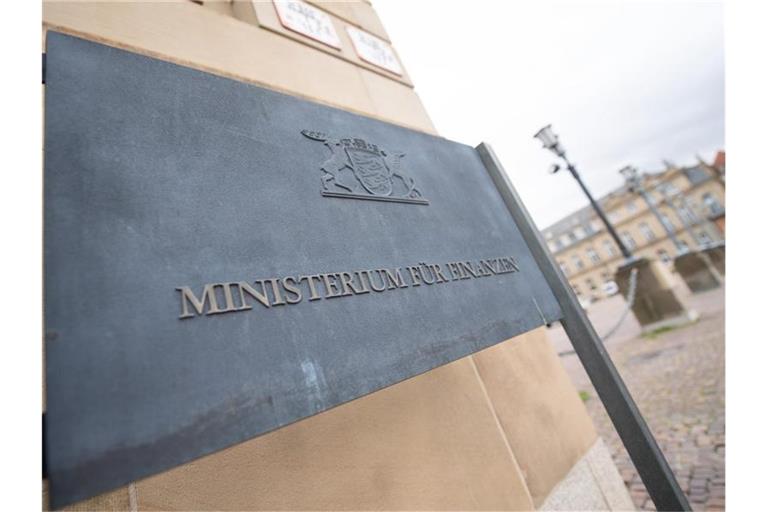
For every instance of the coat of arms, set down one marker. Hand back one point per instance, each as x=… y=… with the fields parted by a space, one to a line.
x=361 y=170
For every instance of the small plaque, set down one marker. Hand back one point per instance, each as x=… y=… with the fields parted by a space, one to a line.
x=307 y=20
x=374 y=50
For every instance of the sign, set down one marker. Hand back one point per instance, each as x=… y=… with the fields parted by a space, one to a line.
x=222 y=260
x=374 y=50
x=307 y=20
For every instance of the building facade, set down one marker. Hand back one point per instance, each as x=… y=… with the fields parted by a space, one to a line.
x=503 y=429
x=692 y=205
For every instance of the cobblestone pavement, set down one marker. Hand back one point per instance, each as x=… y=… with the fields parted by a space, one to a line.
x=677 y=379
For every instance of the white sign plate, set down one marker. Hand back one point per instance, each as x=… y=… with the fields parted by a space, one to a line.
x=374 y=50
x=307 y=20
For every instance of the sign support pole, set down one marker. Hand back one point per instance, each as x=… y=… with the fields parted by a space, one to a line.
x=624 y=413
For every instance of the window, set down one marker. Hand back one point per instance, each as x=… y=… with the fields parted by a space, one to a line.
x=669 y=189
x=579 y=233
x=647 y=232
x=712 y=204
x=559 y=244
x=628 y=240
x=631 y=207
x=613 y=216
x=609 y=248
x=593 y=256
x=572 y=237
x=687 y=214
x=577 y=262
x=666 y=222
x=564 y=240
x=664 y=256
x=563 y=267
x=684 y=246
x=595 y=226
x=704 y=238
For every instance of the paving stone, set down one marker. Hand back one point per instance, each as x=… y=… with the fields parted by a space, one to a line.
x=681 y=395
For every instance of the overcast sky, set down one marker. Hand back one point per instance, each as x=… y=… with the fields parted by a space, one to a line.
x=621 y=83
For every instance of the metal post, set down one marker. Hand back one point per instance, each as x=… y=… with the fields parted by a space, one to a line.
x=689 y=229
x=679 y=211
x=670 y=232
x=698 y=220
x=630 y=425
x=616 y=238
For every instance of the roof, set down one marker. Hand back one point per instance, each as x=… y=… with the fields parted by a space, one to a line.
x=719 y=160
x=697 y=174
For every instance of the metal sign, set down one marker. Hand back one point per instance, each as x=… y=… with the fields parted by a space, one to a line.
x=222 y=260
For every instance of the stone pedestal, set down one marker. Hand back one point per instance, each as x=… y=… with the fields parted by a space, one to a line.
x=716 y=255
x=657 y=304
x=697 y=271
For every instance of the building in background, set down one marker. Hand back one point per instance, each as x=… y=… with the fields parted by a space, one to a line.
x=717 y=215
x=692 y=203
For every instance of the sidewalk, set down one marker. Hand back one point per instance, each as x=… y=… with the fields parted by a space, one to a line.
x=677 y=379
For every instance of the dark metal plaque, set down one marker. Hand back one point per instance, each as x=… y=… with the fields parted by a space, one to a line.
x=222 y=260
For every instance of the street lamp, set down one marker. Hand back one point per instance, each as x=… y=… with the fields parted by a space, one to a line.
x=635 y=184
x=688 y=217
x=551 y=142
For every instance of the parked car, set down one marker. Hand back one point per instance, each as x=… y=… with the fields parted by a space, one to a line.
x=610 y=288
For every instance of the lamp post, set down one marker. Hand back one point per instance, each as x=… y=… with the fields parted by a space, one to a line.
x=686 y=214
x=680 y=207
x=551 y=142
x=635 y=184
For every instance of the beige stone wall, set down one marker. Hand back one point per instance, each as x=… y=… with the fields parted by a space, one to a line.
x=211 y=40
x=499 y=430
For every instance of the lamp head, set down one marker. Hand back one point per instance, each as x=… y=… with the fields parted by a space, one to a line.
x=550 y=140
x=631 y=176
